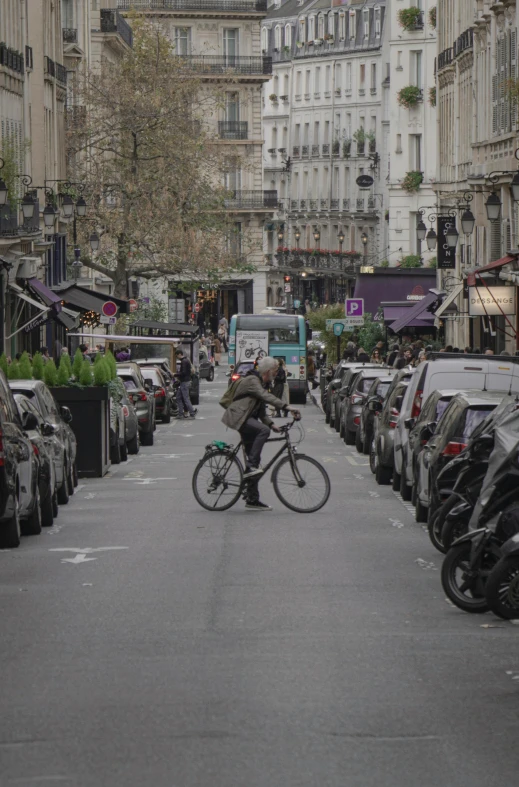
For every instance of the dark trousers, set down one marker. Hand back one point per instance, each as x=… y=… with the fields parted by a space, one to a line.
x=254 y=435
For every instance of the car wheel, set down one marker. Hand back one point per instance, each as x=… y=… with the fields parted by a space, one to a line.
x=124 y=451
x=396 y=481
x=349 y=436
x=47 y=510
x=327 y=417
x=211 y=375
x=383 y=474
x=147 y=438
x=373 y=458
x=166 y=418
x=358 y=441
x=10 y=530
x=75 y=474
x=337 y=422
x=341 y=430
x=405 y=489
x=420 y=511
x=32 y=525
x=63 y=495
x=70 y=481
x=366 y=444
x=115 y=453
x=55 y=506
x=133 y=444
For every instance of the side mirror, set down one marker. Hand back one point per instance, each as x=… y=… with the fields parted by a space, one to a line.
x=375 y=407
x=66 y=414
x=47 y=429
x=29 y=421
x=409 y=423
x=431 y=426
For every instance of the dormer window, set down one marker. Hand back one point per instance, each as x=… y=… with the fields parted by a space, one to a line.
x=342 y=26
x=264 y=39
x=302 y=30
x=277 y=37
x=320 y=27
x=331 y=24
x=365 y=21
x=311 y=28
x=288 y=35
x=353 y=25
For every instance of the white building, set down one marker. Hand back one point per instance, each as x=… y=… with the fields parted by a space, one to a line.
x=412 y=128
x=323 y=127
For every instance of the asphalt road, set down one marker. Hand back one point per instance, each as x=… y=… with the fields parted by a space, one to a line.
x=148 y=643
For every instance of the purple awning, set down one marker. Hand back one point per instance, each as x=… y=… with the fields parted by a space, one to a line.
x=392 y=313
x=395 y=284
x=48 y=297
x=417 y=312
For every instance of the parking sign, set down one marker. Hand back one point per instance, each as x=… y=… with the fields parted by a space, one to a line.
x=354 y=307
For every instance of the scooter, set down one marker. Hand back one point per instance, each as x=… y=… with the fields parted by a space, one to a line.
x=502 y=587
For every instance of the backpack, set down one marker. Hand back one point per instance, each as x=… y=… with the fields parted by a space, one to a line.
x=228 y=397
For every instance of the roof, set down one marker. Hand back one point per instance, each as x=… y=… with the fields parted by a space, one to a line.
x=419 y=312
x=492 y=266
x=90 y=300
x=292 y=8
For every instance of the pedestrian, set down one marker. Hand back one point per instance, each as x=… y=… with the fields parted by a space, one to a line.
x=222 y=335
x=45 y=354
x=279 y=384
x=247 y=414
x=217 y=351
x=488 y=351
x=375 y=356
x=311 y=369
x=123 y=355
x=84 y=349
x=405 y=360
x=184 y=376
x=362 y=356
x=393 y=355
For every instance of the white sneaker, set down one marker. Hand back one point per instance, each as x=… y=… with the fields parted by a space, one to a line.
x=252 y=472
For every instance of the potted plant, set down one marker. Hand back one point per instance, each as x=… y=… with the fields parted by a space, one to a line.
x=346 y=148
x=432 y=17
x=432 y=96
x=318 y=41
x=286 y=50
x=409 y=18
x=299 y=44
x=411 y=261
x=409 y=96
x=273 y=97
x=336 y=147
x=309 y=43
x=360 y=138
x=328 y=37
x=412 y=181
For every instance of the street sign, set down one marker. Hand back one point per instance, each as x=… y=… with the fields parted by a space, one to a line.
x=446 y=255
x=297 y=303
x=197 y=307
x=330 y=324
x=353 y=322
x=107 y=320
x=354 y=307
x=338 y=328
x=365 y=181
x=109 y=309
x=133 y=305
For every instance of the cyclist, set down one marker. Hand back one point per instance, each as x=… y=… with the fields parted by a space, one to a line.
x=247 y=414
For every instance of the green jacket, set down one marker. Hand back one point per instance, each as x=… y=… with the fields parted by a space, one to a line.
x=249 y=392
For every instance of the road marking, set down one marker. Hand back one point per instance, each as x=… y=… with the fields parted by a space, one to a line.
x=425 y=564
x=167 y=456
x=78 y=559
x=90 y=495
x=396 y=523
x=148 y=481
x=328 y=430
x=374 y=494
x=329 y=459
x=353 y=461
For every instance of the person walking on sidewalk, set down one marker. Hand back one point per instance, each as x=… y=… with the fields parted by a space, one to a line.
x=184 y=376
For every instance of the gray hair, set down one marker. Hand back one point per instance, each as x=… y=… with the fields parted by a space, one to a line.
x=266 y=364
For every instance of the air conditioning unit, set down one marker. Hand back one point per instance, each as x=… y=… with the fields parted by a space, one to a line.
x=28 y=267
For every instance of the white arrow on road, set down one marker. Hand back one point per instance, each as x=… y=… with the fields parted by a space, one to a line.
x=81 y=558
x=82 y=552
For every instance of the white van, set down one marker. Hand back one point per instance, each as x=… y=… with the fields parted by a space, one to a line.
x=454 y=371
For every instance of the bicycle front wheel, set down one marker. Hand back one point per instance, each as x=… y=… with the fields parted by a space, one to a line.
x=217 y=481
x=301 y=483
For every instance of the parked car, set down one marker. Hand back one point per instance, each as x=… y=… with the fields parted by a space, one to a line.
x=333 y=388
x=339 y=393
x=206 y=370
x=16 y=461
x=46 y=446
x=58 y=418
x=240 y=370
x=381 y=456
x=351 y=405
x=162 y=363
x=377 y=392
x=162 y=391
x=452 y=371
x=131 y=423
x=419 y=434
x=448 y=438
x=140 y=392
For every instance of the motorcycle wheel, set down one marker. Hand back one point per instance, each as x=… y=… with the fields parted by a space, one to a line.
x=465 y=592
x=434 y=528
x=502 y=588
x=452 y=530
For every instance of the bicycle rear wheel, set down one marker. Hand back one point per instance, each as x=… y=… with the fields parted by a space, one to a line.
x=218 y=481
x=304 y=489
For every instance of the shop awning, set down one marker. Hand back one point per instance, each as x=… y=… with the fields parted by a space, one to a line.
x=492 y=266
x=448 y=300
x=393 y=284
x=67 y=320
x=88 y=300
x=36 y=320
x=393 y=313
x=48 y=297
x=417 y=312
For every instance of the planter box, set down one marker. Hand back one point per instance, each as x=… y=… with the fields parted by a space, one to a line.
x=90 y=409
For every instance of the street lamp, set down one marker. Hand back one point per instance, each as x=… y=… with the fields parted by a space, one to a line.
x=432 y=239
x=341 y=237
x=364 y=239
x=49 y=216
x=67 y=206
x=493 y=207
x=317 y=237
x=467 y=222
x=27 y=207
x=94 y=241
x=81 y=207
x=421 y=230
x=452 y=236
x=297 y=235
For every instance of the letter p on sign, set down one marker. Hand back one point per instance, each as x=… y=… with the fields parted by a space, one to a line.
x=354 y=307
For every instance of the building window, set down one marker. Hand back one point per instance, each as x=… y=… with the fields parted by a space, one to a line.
x=264 y=39
x=231 y=42
x=377 y=22
x=415 y=152
x=373 y=77
x=307 y=81
x=416 y=68
x=311 y=28
x=362 y=75
x=331 y=24
x=353 y=25
x=277 y=37
x=398 y=143
x=302 y=31
x=288 y=35
x=67 y=13
x=348 y=76
x=365 y=20
x=232 y=106
x=320 y=26
x=342 y=26
x=338 y=76
x=317 y=85
x=182 y=40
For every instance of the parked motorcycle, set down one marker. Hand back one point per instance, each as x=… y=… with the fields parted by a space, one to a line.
x=502 y=587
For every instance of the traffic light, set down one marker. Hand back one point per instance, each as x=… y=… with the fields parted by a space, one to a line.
x=288 y=279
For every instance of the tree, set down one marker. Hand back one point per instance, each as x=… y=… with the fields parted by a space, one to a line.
x=145 y=148
x=370 y=333
x=101 y=372
x=64 y=373
x=317 y=319
x=25 y=367
x=85 y=375
x=50 y=374
x=38 y=366
x=110 y=360
x=77 y=364
x=13 y=371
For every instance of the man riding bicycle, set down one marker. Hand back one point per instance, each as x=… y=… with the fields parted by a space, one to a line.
x=247 y=414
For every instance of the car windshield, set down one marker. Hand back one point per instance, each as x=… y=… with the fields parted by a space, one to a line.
x=365 y=384
x=383 y=388
x=441 y=404
x=473 y=417
x=129 y=383
x=152 y=374
x=243 y=368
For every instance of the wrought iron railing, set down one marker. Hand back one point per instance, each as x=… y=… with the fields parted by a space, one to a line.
x=224 y=64
x=49 y=66
x=251 y=200
x=445 y=58
x=69 y=35
x=360 y=203
x=305 y=150
x=296 y=150
x=324 y=204
x=315 y=150
x=302 y=204
x=252 y=6
x=334 y=204
x=293 y=204
x=113 y=22
x=326 y=149
x=312 y=204
x=346 y=203
x=463 y=42
x=12 y=59
x=233 y=129
x=61 y=73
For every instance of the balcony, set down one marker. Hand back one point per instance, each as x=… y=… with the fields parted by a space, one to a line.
x=69 y=35
x=225 y=64
x=251 y=200
x=11 y=59
x=324 y=204
x=326 y=149
x=334 y=204
x=464 y=42
x=346 y=204
x=9 y=226
x=233 y=129
x=305 y=150
x=360 y=204
x=221 y=6
x=293 y=204
x=49 y=66
x=296 y=151
x=302 y=204
x=61 y=73
x=113 y=22
x=315 y=150
x=312 y=204
x=444 y=58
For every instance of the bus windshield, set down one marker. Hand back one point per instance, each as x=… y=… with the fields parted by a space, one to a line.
x=282 y=329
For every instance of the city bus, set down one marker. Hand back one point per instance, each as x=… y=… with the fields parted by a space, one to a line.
x=279 y=335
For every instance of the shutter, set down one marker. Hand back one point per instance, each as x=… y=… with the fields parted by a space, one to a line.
x=494 y=104
x=495 y=241
x=513 y=76
x=507 y=235
x=501 y=49
x=480 y=246
x=514 y=225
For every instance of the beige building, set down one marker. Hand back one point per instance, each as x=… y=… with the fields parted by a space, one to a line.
x=476 y=72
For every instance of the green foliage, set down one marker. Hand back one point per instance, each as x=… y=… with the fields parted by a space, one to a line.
x=370 y=333
x=3 y=363
x=13 y=371
x=408 y=18
x=50 y=373
x=432 y=17
x=317 y=319
x=64 y=372
x=38 y=366
x=85 y=375
x=409 y=96
x=412 y=181
x=109 y=358
x=433 y=262
x=155 y=310
x=432 y=96
x=101 y=372
x=411 y=261
x=66 y=362
x=98 y=358
x=77 y=363
x=25 y=367
x=384 y=264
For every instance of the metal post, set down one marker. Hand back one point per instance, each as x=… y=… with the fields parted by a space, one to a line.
x=2 y=309
x=338 y=349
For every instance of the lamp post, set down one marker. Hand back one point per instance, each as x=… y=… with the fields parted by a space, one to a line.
x=493 y=203
x=317 y=237
x=364 y=241
x=340 y=236
x=297 y=236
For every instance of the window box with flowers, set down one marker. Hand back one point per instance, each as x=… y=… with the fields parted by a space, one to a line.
x=346 y=148
x=432 y=96
x=286 y=50
x=410 y=96
x=273 y=97
x=328 y=37
x=410 y=18
x=432 y=17
x=412 y=181
x=309 y=43
x=299 y=44
x=318 y=41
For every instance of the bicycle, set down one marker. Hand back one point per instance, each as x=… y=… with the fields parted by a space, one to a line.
x=218 y=478
x=251 y=351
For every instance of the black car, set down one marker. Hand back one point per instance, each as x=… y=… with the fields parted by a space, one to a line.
x=450 y=437
x=162 y=391
x=351 y=406
x=377 y=392
x=381 y=455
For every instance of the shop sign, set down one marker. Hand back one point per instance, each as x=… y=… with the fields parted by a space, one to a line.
x=39 y=320
x=446 y=256
x=491 y=300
